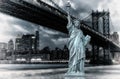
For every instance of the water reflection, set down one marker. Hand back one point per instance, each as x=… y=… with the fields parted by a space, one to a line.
x=101 y=72
x=74 y=78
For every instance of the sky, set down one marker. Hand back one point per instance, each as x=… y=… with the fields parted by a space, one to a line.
x=11 y=27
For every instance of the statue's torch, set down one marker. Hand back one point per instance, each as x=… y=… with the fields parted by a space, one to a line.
x=68 y=7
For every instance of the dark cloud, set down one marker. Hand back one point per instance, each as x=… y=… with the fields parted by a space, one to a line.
x=46 y=41
x=30 y=27
x=82 y=8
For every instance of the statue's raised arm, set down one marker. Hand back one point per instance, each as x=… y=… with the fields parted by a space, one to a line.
x=70 y=20
x=68 y=12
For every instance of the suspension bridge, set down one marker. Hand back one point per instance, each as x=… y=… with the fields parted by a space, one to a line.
x=97 y=24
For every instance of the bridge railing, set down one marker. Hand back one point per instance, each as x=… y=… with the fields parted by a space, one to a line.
x=90 y=29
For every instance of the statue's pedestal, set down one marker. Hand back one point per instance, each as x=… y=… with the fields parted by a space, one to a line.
x=77 y=74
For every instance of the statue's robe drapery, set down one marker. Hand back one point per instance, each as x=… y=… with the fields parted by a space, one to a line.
x=76 y=45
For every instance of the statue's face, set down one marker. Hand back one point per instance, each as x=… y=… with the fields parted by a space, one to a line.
x=76 y=22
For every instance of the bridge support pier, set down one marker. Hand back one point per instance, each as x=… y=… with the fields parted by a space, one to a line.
x=107 y=59
x=100 y=59
x=95 y=55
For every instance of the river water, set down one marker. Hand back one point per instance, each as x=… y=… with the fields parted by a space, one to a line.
x=22 y=72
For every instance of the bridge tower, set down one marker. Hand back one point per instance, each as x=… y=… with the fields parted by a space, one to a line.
x=100 y=20
x=106 y=26
x=105 y=22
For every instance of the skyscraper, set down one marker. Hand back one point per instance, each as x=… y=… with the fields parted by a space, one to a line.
x=3 y=50
x=10 y=46
x=115 y=37
x=37 y=40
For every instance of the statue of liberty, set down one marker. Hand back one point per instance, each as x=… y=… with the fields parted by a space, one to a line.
x=76 y=45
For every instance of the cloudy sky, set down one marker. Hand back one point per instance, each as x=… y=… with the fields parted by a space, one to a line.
x=11 y=27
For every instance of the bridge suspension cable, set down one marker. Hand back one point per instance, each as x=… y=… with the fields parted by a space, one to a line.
x=57 y=6
x=86 y=17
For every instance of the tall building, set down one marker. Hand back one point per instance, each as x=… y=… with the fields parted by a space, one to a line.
x=3 y=45
x=25 y=43
x=37 y=40
x=10 y=46
x=3 y=50
x=18 y=44
x=115 y=37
